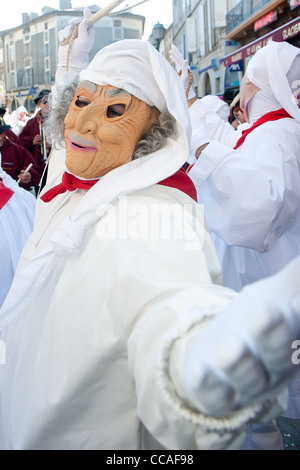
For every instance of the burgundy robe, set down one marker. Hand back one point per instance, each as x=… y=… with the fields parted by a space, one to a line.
x=26 y=137
x=16 y=158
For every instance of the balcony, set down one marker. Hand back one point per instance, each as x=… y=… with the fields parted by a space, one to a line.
x=246 y=12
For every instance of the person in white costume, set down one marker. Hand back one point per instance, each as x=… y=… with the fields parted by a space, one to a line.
x=251 y=194
x=207 y=114
x=19 y=118
x=216 y=105
x=17 y=207
x=118 y=333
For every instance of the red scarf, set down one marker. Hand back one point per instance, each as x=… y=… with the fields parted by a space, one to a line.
x=272 y=116
x=179 y=180
x=69 y=183
x=5 y=194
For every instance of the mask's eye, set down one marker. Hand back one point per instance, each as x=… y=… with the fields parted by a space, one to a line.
x=81 y=102
x=115 y=110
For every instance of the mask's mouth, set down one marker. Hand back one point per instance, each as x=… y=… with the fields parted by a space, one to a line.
x=81 y=144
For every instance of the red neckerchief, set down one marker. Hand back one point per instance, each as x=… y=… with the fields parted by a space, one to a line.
x=69 y=183
x=5 y=194
x=179 y=180
x=272 y=116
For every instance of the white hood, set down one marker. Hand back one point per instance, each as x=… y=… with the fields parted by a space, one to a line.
x=275 y=69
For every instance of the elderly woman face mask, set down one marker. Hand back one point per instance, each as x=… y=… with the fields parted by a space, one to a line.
x=102 y=128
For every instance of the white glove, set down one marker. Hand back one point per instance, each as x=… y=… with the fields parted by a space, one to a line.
x=182 y=65
x=245 y=354
x=81 y=45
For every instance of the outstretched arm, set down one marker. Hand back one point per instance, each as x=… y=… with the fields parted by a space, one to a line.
x=245 y=355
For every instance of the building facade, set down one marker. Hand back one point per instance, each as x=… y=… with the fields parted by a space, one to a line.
x=199 y=28
x=218 y=37
x=251 y=24
x=29 y=52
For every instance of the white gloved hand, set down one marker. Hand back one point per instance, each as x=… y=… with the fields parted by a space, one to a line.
x=81 y=45
x=245 y=354
x=182 y=65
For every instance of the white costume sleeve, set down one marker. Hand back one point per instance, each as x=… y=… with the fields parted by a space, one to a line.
x=16 y=225
x=246 y=352
x=251 y=194
x=215 y=127
x=167 y=373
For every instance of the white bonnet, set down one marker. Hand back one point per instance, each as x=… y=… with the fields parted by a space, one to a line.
x=274 y=69
x=137 y=67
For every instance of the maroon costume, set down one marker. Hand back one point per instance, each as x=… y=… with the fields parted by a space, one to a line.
x=16 y=158
x=26 y=137
x=12 y=136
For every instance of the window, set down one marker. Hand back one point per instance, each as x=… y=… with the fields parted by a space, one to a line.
x=117 y=30
x=46 y=50
x=12 y=53
x=28 y=77
x=47 y=77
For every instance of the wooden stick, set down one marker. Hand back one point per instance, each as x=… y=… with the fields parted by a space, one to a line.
x=94 y=18
x=103 y=12
x=26 y=171
x=235 y=100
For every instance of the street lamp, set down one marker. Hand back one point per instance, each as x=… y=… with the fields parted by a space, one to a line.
x=158 y=33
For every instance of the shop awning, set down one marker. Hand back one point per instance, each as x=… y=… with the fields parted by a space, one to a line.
x=289 y=30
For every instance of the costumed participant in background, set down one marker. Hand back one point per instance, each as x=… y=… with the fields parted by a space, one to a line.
x=19 y=119
x=216 y=105
x=17 y=208
x=33 y=136
x=239 y=117
x=16 y=160
x=251 y=193
x=202 y=115
x=89 y=366
x=7 y=120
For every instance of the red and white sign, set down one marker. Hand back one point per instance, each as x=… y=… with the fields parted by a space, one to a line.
x=283 y=33
x=294 y=4
x=265 y=20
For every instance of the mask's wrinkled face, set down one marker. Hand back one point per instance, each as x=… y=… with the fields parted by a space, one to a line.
x=102 y=128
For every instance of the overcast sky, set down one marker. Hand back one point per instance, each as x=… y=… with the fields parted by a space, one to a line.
x=153 y=10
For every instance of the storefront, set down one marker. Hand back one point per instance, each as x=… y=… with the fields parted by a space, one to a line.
x=236 y=62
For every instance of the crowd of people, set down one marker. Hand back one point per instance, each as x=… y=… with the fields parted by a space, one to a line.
x=156 y=302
